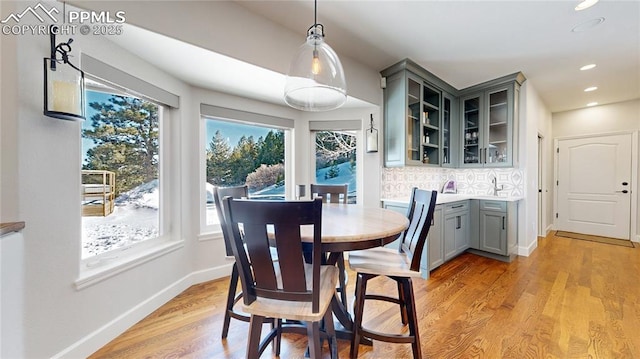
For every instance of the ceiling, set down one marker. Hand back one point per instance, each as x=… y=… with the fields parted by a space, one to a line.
x=462 y=42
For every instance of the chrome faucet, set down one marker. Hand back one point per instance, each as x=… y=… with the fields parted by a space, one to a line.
x=494 y=181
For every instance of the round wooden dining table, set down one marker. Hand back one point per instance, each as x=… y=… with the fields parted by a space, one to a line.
x=347 y=227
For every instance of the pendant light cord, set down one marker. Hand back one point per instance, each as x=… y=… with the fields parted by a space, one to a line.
x=315 y=12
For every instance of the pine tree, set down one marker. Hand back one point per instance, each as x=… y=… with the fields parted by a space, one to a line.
x=271 y=148
x=243 y=160
x=125 y=131
x=218 y=153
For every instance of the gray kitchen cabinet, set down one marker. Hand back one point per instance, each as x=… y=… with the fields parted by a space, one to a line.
x=435 y=247
x=450 y=130
x=432 y=254
x=498 y=227
x=456 y=228
x=429 y=122
x=400 y=208
x=419 y=115
x=493 y=232
x=489 y=123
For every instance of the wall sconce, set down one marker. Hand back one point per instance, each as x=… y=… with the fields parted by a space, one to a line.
x=372 y=138
x=63 y=82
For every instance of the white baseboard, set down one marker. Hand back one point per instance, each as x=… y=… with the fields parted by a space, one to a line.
x=525 y=251
x=637 y=238
x=100 y=337
x=208 y=274
x=550 y=228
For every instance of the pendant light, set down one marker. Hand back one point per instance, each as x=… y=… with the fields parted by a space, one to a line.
x=315 y=81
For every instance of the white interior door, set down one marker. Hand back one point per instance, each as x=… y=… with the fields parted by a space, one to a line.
x=594 y=185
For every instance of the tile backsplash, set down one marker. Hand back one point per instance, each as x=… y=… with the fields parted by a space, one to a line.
x=397 y=182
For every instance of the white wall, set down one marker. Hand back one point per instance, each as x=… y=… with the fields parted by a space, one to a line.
x=621 y=116
x=535 y=119
x=42 y=180
x=47 y=182
x=8 y=125
x=12 y=295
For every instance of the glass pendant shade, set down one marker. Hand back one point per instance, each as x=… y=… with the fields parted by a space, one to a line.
x=315 y=81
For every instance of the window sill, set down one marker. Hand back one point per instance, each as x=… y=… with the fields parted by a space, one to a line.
x=210 y=236
x=90 y=276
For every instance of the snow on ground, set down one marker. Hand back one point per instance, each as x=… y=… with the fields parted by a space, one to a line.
x=136 y=216
x=134 y=219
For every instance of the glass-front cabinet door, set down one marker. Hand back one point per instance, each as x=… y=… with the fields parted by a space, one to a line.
x=414 y=111
x=446 y=130
x=430 y=126
x=487 y=128
x=499 y=128
x=471 y=130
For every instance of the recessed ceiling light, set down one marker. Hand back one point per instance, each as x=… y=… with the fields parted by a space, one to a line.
x=592 y=88
x=586 y=4
x=588 y=25
x=587 y=67
x=592 y=104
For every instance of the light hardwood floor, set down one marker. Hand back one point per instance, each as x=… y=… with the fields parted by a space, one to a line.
x=569 y=299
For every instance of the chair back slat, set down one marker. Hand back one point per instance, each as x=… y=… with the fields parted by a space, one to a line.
x=421 y=208
x=218 y=194
x=255 y=225
x=289 y=251
x=257 y=246
x=330 y=193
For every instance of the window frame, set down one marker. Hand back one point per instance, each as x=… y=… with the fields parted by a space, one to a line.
x=354 y=126
x=214 y=231
x=96 y=268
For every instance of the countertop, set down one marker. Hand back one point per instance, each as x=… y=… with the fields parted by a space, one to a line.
x=9 y=227
x=449 y=197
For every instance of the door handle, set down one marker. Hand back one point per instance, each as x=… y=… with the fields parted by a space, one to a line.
x=503 y=224
x=623 y=191
x=459 y=224
x=625 y=183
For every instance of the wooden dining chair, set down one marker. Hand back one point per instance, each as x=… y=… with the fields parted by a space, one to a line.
x=330 y=193
x=335 y=194
x=289 y=288
x=232 y=296
x=400 y=265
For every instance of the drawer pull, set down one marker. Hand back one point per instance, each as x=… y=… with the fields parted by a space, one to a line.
x=458 y=206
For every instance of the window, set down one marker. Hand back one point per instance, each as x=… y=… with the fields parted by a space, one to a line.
x=335 y=154
x=336 y=159
x=121 y=181
x=239 y=153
